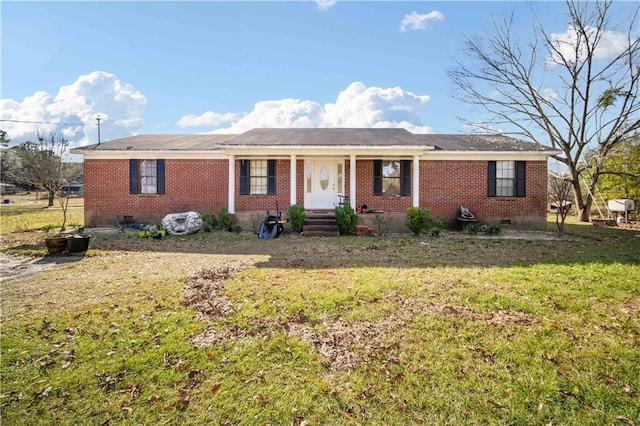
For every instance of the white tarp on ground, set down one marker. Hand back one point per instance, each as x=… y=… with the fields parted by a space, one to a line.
x=182 y=223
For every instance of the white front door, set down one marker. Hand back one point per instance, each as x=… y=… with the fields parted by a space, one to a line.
x=323 y=183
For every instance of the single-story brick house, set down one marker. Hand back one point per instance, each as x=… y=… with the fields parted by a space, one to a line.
x=145 y=177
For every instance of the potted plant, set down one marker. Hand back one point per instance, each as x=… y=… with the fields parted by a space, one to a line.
x=60 y=242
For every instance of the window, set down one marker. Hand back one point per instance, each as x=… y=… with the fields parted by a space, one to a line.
x=146 y=176
x=506 y=178
x=257 y=177
x=391 y=177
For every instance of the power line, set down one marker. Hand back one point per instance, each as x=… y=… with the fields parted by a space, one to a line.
x=41 y=122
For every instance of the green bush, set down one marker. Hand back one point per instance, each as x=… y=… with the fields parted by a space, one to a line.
x=436 y=227
x=296 y=217
x=225 y=220
x=347 y=219
x=494 y=229
x=472 y=228
x=209 y=221
x=418 y=220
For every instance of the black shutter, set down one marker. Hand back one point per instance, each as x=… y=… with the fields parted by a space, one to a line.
x=405 y=175
x=271 y=177
x=133 y=176
x=521 y=181
x=491 y=182
x=377 y=177
x=160 y=171
x=244 y=177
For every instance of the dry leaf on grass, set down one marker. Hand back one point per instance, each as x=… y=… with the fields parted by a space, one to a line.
x=342 y=344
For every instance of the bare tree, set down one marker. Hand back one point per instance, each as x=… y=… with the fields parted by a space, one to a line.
x=559 y=188
x=4 y=139
x=578 y=90
x=42 y=162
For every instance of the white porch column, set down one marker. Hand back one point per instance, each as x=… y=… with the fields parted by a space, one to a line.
x=232 y=185
x=293 y=174
x=416 y=181
x=352 y=181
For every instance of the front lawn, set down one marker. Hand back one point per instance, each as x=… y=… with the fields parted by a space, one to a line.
x=218 y=328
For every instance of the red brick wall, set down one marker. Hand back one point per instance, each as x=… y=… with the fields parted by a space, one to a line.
x=201 y=185
x=445 y=185
x=190 y=185
x=299 y=182
x=364 y=191
x=268 y=202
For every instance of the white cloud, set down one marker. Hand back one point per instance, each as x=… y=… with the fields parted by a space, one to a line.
x=325 y=4
x=356 y=106
x=208 y=118
x=74 y=108
x=549 y=94
x=611 y=43
x=279 y=113
x=418 y=21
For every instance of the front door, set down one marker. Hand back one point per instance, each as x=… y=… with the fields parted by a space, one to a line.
x=323 y=183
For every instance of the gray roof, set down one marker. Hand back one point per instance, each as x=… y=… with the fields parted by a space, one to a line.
x=161 y=142
x=327 y=137
x=481 y=142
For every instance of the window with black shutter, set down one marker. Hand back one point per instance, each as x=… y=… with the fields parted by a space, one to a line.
x=391 y=177
x=146 y=176
x=257 y=177
x=506 y=178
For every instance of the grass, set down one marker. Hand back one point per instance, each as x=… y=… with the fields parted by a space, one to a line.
x=451 y=330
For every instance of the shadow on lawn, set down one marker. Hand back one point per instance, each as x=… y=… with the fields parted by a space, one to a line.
x=582 y=244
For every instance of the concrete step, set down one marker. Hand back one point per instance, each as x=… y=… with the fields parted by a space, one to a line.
x=313 y=233
x=320 y=224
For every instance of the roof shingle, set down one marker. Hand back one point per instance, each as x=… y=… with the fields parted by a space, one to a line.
x=320 y=137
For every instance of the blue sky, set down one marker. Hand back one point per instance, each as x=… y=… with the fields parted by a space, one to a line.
x=194 y=67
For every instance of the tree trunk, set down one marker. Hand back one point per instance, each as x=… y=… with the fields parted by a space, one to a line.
x=580 y=204
x=585 y=212
x=52 y=195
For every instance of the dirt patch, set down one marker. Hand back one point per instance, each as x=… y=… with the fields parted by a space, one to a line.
x=17 y=267
x=342 y=344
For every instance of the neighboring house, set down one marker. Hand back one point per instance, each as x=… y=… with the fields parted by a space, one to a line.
x=73 y=190
x=145 y=177
x=7 y=188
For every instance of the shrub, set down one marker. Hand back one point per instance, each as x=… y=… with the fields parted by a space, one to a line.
x=436 y=227
x=296 y=217
x=347 y=219
x=418 y=220
x=473 y=228
x=225 y=220
x=494 y=229
x=209 y=221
